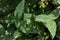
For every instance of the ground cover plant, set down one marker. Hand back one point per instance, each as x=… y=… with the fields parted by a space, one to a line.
x=29 y=19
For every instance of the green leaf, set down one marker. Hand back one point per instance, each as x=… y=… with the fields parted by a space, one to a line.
x=55 y=14
x=51 y=25
x=17 y=24
x=58 y=1
x=28 y=21
x=27 y=17
x=1 y=26
x=19 y=9
x=23 y=28
x=48 y=22
x=42 y=18
x=16 y=34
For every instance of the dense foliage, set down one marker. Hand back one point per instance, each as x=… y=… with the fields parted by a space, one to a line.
x=29 y=19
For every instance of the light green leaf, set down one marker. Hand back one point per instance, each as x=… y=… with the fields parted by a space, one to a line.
x=17 y=24
x=48 y=22
x=1 y=26
x=28 y=21
x=23 y=29
x=16 y=34
x=27 y=16
x=58 y=1
x=55 y=14
x=19 y=9
x=42 y=18
x=51 y=25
